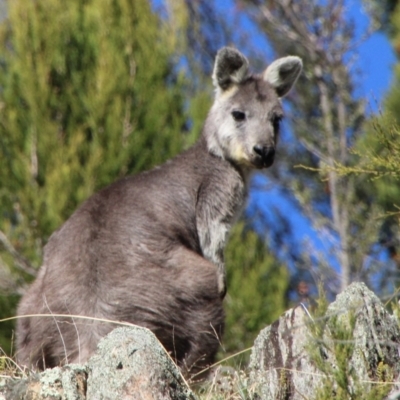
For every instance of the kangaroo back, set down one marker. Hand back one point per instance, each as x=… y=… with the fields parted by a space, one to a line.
x=148 y=249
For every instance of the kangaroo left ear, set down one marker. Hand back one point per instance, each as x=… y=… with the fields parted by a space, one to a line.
x=282 y=74
x=231 y=67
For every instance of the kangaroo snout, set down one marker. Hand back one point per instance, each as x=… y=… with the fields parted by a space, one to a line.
x=266 y=155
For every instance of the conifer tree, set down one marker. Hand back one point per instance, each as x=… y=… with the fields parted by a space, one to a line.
x=88 y=95
x=379 y=150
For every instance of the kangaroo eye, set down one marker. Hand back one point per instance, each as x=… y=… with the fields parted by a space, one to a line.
x=276 y=120
x=238 y=116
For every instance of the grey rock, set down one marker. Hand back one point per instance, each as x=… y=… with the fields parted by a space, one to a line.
x=280 y=366
x=295 y=356
x=376 y=333
x=131 y=364
x=66 y=383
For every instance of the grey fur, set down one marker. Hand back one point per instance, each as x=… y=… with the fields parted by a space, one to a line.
x=230 y=67
x=148 y=249
x=283 y=73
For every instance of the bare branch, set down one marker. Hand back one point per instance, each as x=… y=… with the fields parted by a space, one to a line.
x=20 y=262
x=314 y=150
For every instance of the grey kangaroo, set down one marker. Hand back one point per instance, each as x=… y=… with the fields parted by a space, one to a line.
x=148 y=249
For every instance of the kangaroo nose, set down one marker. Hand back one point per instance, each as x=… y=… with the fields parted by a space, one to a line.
x=266 y=153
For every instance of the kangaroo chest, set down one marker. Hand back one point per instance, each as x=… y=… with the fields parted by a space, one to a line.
x=218 y=208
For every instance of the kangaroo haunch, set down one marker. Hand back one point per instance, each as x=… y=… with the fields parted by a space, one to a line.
x=149 y=248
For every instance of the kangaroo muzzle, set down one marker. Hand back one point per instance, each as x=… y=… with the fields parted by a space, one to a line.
x=265 y=154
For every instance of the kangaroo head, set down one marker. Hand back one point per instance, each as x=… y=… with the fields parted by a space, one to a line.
x=243 y=123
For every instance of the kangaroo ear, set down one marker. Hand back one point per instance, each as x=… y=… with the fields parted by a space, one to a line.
x=230 y=67
x=283 y=73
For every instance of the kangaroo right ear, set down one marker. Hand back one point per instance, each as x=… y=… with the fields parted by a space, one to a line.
x=230 y=67
x=282 y=74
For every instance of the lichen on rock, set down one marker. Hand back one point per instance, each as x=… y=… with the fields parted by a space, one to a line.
x=356 y=349
x=130 y=363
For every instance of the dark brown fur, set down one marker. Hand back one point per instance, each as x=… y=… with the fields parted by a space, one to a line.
x=115 y=260
x=149 y=248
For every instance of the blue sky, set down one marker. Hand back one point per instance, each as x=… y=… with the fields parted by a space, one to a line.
x=376 y=55
x=376 y=59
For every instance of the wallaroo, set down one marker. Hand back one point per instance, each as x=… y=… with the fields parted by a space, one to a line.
x=148 y=249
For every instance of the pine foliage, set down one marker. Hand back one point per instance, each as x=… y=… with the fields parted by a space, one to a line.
x=85 y=99
x=257 y=285
x=88 y=94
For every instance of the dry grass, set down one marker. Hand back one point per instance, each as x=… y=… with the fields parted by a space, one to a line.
x=224 y=382
x=9 y=368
